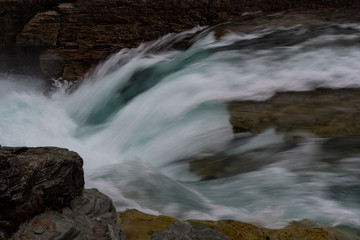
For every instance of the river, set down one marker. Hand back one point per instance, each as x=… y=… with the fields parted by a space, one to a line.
x=139 y=116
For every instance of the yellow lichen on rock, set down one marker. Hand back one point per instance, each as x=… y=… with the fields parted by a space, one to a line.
x=139 y=225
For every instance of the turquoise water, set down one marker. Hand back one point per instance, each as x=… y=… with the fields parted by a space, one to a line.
x=143 y=113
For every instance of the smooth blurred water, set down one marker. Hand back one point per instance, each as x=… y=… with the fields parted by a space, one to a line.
x=145 y=110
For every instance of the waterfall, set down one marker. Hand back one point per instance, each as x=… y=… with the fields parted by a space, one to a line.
x=144 y=113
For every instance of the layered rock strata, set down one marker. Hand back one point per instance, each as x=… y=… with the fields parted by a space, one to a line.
x=65 y=38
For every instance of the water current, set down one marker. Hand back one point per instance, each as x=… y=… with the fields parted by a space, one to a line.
x=142 y=115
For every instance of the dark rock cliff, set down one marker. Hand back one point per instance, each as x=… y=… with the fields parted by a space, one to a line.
x=42 y=196
x=65 y=38
x=35 y=179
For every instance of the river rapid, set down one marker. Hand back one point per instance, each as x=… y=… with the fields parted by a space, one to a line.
x=141 y=115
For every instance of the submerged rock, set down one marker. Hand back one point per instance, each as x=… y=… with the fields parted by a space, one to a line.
x=163 y=227
x=331 y=114
x=323 y=112
x=35 y=179
x=242 y=155
x=89 y=216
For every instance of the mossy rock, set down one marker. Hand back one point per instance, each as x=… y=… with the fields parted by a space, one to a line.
x=139 y=225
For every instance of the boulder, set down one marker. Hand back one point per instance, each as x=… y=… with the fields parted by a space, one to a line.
x=90 y=215
x=323 y=112
x=35 y=179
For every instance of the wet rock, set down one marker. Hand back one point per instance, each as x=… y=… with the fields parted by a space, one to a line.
x=242 y=155
x=323 y=112
x=139 y=225
x=222 y=165
x=89 y=216
x=51 y=63
x=264 y=149
x=162 y=227
x=342 y=147
x=35 y=179
x=234 y=229
x=182 y=230
x=296 y=230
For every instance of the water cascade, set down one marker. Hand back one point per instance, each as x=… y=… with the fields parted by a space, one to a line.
x=143 y=115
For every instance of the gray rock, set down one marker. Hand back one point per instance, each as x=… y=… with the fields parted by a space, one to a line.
x=35 y=179
x=89 y=216
x=185 y=231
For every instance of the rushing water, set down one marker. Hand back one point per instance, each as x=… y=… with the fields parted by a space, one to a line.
x=141 y=114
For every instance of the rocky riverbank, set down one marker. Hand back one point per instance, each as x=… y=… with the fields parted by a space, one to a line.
x=138 y=225
x=65 y=38
x=42 y=197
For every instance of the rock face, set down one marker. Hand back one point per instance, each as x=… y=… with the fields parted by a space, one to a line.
x=324 y=112
x=138 y=225
x=65 y=38
x=89 y=216
x=35 y=179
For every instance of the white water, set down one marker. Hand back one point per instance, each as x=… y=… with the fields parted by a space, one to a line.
x=130 y=150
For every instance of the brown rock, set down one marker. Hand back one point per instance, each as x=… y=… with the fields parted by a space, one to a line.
x=323 y=112
x=51 y=63
x=41 y=30
x=105 y=27
x=14 y=15
x=33 y=179
x=298 y=231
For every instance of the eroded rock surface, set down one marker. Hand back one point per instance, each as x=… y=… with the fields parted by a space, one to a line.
x=89 y=216
x=35 y=179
